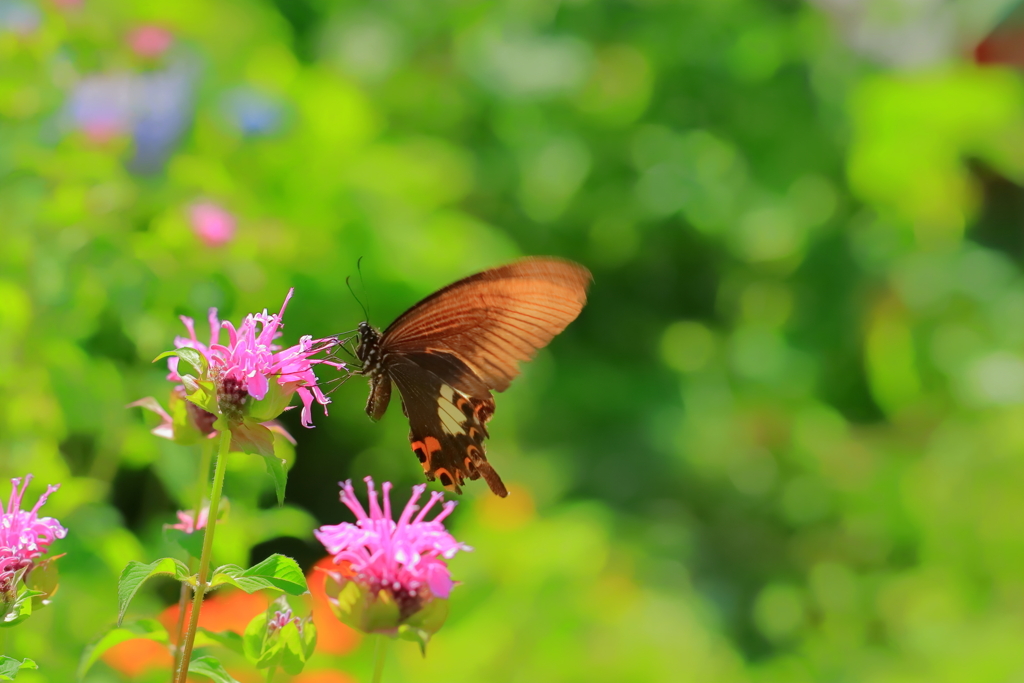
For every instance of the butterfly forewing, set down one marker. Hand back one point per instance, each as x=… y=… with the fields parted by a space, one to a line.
x=495 y=319
x=448 y=352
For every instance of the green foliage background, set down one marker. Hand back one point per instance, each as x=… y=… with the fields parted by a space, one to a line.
x=783 y=442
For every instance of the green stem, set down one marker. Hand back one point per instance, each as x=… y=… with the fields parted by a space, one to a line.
x=270 y=674
x=203 y=476
x=204 y=560
x=179 y=628
x=380 y=651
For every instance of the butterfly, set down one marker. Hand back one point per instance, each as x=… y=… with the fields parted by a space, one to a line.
x=448 y=352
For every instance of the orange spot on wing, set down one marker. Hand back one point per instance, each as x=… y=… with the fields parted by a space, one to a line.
x=425 y=450
x=453 y=479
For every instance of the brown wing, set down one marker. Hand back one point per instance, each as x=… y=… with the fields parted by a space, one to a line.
x=447 y=407
x=494 y=319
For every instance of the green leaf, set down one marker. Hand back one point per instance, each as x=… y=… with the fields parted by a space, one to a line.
x=227 y=639
x=202 y=393
x=276 y=469
x=136 y=573
x=43 y=578
x=148 y=629
x=277 y=571
x=299 y=644
x=9 y=667
x=211 y=668
x=360 y=608
x=20 y=608
x=254 y=637
x=191 y=356
x=423 y=624
x=190 y=543
x=251 y=437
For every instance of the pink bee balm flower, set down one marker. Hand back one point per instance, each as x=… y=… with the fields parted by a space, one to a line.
x=24 y=536
x=246 y=364
x=150 y=41
x=405 y=559
x=213 y=224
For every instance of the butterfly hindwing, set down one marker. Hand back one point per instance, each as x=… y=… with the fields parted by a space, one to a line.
x=446 y=418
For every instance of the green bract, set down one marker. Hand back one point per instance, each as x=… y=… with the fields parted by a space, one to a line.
x=368 y=612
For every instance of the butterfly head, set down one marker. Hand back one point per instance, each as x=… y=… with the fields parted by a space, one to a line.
x=368 y=350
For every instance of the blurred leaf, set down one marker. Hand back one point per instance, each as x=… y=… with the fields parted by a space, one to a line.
x=276 y=470
x=425 y=623
x=210 y=668
x=254 y=638
x=44 y=578
x=277 y=571
x=190 y=543
x=252 y=437
x=136 y=573
x=9 y=667
x=298 y=645
x=149 y=629
x=228 y=639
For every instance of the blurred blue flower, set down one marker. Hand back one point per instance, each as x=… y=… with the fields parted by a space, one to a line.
x=19 y=17
x=154 y=107
x=165 y=111
x=103 y=106
x=252 y=112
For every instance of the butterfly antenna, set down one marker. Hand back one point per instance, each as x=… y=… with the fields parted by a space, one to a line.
x=366 y=294
x=348 y=283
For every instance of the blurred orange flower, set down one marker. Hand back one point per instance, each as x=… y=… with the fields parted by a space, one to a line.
x=134 y=657
x=231 y=610
x=333 y=637
x=228 y=610
x=325 y=676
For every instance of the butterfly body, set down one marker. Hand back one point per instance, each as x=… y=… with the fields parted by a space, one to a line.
x=448 y=352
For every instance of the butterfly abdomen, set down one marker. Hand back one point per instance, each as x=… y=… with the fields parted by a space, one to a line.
x=369 y=353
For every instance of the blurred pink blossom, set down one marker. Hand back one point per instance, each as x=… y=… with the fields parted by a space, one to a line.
x=150 y=40
x=405 y=558
x=24 y=536
x=188 y=523
x=213 y=224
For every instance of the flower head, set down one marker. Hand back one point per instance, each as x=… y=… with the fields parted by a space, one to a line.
x=392 y=572
x=250 y=365
x=24 y=536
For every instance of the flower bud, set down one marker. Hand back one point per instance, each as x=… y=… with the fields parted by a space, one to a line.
x=277 y=638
